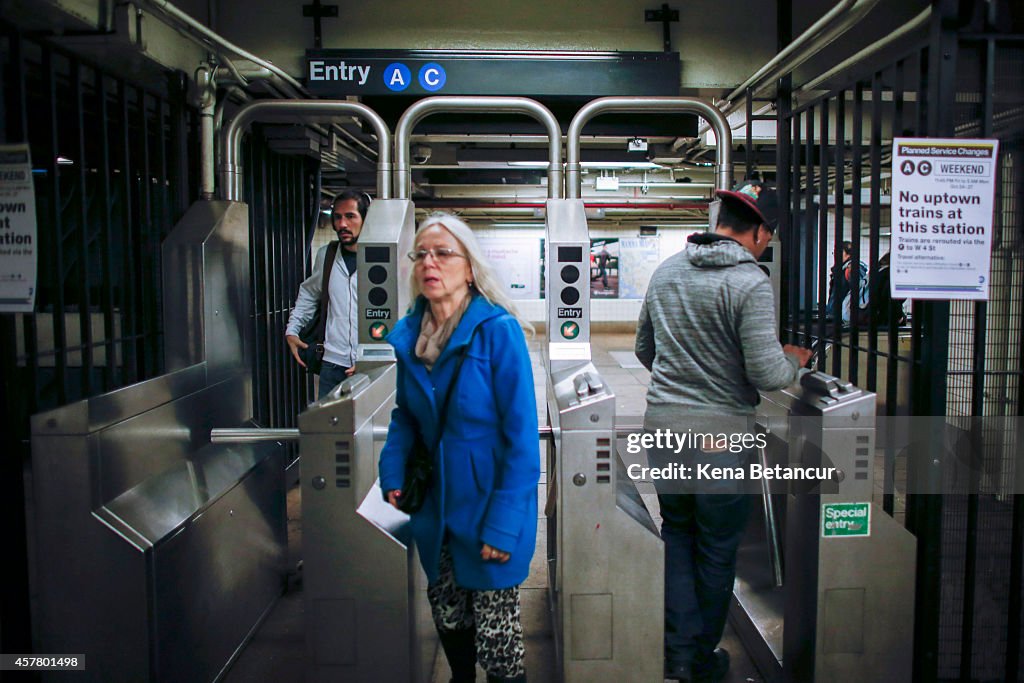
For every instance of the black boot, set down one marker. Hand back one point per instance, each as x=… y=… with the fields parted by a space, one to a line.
x=460 y=649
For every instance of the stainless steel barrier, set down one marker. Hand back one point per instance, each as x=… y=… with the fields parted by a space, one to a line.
x=605 y=555
x=155 y=553
x=844 y=609
x=367 y=616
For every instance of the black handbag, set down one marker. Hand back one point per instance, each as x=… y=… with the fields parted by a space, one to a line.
x=314 y=332
x=419 y=465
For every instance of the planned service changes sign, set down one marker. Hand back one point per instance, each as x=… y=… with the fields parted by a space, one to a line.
x=17 y=231
x=942 y=200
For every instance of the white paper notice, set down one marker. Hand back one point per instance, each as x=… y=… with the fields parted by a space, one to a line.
x=942 y=197
x=516 y=264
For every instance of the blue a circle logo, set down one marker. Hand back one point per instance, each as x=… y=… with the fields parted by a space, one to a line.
x=432 y=77
x=397 y=76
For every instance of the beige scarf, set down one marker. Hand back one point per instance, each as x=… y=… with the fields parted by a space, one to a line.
x=433 y=337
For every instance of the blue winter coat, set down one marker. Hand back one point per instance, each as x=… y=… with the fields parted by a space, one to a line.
x=487 y=467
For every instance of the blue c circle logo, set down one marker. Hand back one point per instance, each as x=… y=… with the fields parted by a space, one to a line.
x=432 y=77
x=397 y=76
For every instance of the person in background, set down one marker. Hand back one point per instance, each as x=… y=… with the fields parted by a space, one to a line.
x=341 y=335
x=707 y=333
x=841 y=285
x=476 y=532
x=883 y=307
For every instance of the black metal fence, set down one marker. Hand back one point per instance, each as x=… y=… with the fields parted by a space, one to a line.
x=282 y=192
x=959 y=359
x=112 y=169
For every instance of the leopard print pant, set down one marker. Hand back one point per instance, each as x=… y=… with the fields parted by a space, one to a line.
x=493 y=614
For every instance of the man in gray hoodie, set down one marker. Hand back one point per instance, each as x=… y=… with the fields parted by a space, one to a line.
x=707 y=333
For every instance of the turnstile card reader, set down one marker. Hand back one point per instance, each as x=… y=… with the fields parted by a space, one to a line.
x=367 y=617
x=848 y=595
x=383 y=272
x=567 y=284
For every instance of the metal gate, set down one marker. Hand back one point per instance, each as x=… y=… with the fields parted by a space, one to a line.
x=282 y=192
x=958 y=359
x=112 y=167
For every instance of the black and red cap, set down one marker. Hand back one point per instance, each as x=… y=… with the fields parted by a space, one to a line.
x=756 y=199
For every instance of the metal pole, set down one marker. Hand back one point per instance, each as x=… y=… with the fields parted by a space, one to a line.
x=380 y=433
x=484 y=105
x=631 y=105
x=231 y=137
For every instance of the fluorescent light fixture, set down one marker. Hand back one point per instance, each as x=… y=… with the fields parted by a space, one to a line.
x=517 y=225
x=591 y=164
x=620 y=164
x=663 y=183
x=64 y=161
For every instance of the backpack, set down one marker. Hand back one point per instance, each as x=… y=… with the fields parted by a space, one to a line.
x=862 y=313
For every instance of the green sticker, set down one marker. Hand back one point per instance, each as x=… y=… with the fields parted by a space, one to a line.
x=845 y=519
x=570 y=330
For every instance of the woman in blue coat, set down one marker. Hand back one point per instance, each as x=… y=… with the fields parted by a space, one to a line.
x=476 y=532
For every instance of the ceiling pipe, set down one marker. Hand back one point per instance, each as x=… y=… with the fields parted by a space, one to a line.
x=231 y=137
x=833 y=24
x=836 y=22
x=914 y=24
x=632 y=105
x=666 y=206
x=485 y=105
x=209 y=39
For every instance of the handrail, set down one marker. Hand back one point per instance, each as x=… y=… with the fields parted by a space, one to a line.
x=834 y=23
x=218 y=41
x=629 y=105
x=447 y=104
x=899 y=34
x=231 y=137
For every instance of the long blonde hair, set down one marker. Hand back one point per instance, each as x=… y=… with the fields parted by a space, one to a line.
x=483 y=275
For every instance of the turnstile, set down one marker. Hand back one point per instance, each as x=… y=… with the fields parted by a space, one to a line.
x=367 y=617
x=605 y=555
x=825 y=579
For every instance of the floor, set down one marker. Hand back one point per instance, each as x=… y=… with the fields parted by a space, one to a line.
x=276 y=650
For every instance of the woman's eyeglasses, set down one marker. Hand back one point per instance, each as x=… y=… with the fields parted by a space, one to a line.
x=440 y=254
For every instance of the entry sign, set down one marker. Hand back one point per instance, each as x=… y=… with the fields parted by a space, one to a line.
x=18 y=251
x=942 y=205
x=845 y=519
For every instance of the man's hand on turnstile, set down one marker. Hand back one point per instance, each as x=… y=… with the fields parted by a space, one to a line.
x=803 y=356
x=294 y=344
x=488 y=553
x=351 y=371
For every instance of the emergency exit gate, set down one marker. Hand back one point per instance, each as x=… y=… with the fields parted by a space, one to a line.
x=825 y=579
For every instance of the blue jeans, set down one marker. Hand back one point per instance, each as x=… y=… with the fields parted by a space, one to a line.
x=331 y=375
x=701 y=532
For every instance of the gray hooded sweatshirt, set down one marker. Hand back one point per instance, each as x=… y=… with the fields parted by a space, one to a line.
x=707 y=333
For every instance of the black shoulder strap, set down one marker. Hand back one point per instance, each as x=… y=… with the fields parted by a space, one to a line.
x=325 y=284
